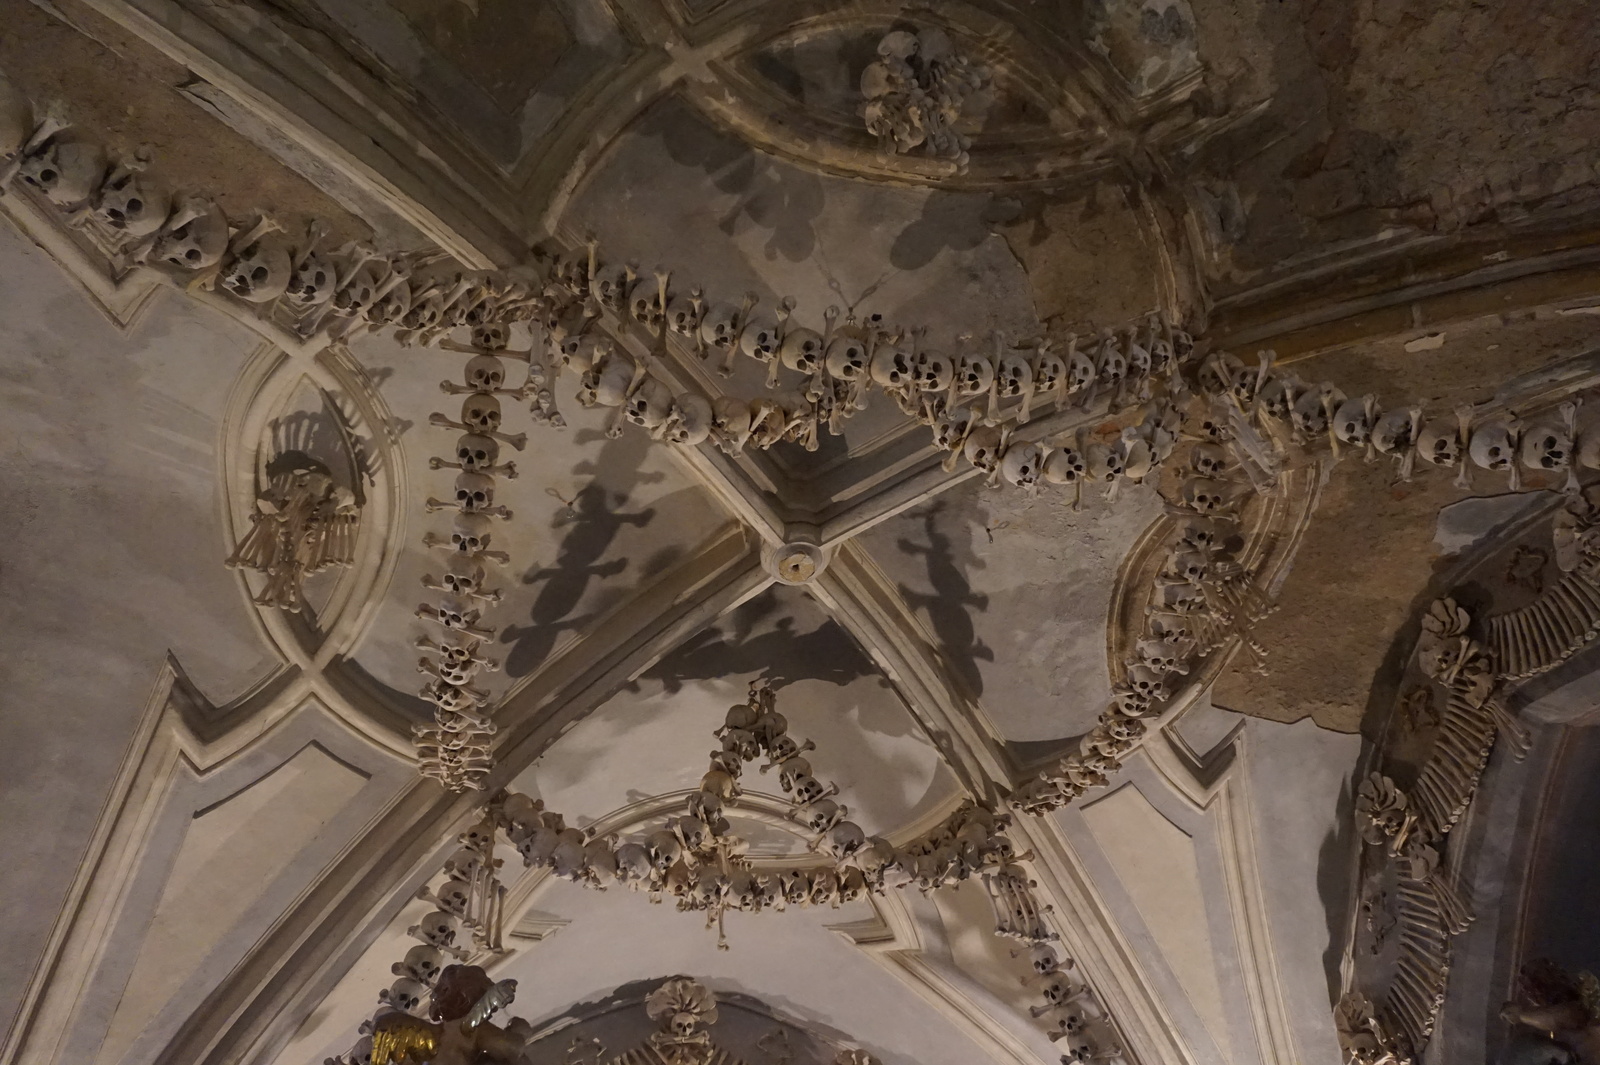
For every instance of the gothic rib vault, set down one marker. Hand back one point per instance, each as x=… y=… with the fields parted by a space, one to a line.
x=1188 y=673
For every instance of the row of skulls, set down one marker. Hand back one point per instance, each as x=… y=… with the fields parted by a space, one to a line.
x=1239 y=429
x=455 y=749
x=294 y=280
x=468 y=917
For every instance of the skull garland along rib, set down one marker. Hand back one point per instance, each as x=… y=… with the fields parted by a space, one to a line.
x=467 y=919
x=455 y=750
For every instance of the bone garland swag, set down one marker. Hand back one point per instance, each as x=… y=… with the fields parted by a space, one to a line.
x=455 y=749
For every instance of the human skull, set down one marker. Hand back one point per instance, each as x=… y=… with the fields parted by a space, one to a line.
x=644 y=302
x=1014 y=375
x=1042 y=958
x=469 y=533
x=1103 y=463
x=66 y=170
x=1188 y=566
x=1277 y=398
x=682 y=316
x=1546 y=447
x=1204 y=495
x=1310 y=415
x=807 y=789
x=974 y=375
x=1021 y=465
x=1392 y=433
x=1207 y=460
x=490 y=336
x=845 y=838
x=795 y=769
x=464 y=577
x=759 y=339
x=1148 y=683
x=951 y=426
x=847 y=358
x=537 y=846
x=405 y=994
x=1493 y=447
x=1056 y=988
x=611 y=286
x=1080 y=371
x=932 y=372
x=890 y=367
x=801 y=350
x=982 y=448
x=663 y=848
x=688 y=420
x=1440 y=442
x=649 y=404
x=1065 y=465
x=437 y=929
x=1200 y=534
x=611 y=381
x=454 y=898
x=730 y=417
x=392 y=307
x=1112 y=365
x=360 y=293
x=421 y=963
x=481 y=411
x=1049 y=372
x=312 y=282
x=130 y=205
x=633 y=863
x=1352 y=422
x=197 y=237
x=717 y=328
x=259 y=273
x=474 y=492
x=485 y=373
x=742 y=743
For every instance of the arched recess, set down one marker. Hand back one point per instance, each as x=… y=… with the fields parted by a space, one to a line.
x=208 y=836
x=821 y=966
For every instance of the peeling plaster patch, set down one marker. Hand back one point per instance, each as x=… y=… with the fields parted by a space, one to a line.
x=1426 y=343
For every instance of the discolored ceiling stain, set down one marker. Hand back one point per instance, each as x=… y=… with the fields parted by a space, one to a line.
x=1151 y=43
x=506 y=47
x=1371 y=558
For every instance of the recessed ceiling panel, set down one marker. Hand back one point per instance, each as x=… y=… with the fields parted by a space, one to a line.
x=1015 y=593
x=657 y=737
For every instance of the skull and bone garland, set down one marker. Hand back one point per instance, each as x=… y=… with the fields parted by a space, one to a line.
x=433 y=978
x=455 y=749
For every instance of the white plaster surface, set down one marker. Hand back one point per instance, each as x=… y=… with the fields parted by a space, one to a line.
x=1021 y=620
x=111 y=516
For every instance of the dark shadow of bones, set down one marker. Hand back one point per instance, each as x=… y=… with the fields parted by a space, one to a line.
x=592 y=522
x=947 y=605
x=774 y=196
x=1334 y=870
x=755 y=639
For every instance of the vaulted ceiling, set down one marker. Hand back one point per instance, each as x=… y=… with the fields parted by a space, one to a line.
x=212 y=810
